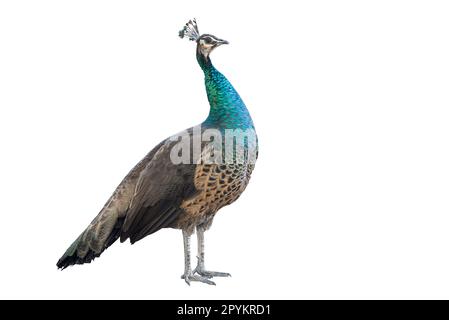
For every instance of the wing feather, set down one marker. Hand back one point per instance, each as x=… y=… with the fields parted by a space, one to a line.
x=160 y=190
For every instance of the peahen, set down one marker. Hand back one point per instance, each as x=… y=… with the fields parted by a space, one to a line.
x=185 y=179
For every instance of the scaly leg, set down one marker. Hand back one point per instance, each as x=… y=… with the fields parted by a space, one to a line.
x=188 y=275
x=200 y=269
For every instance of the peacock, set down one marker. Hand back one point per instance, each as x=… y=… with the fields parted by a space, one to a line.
x=185 y=180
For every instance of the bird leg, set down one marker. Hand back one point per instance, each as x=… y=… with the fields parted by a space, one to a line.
x=200 y=268
x=188 y=275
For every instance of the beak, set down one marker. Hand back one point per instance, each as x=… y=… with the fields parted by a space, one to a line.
x=220 y=42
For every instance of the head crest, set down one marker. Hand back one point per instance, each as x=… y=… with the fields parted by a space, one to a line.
x=190 y=31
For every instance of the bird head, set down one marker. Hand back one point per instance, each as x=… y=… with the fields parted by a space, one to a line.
x=206 y=43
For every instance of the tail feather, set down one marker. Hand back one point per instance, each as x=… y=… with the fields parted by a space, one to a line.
x=81 y=251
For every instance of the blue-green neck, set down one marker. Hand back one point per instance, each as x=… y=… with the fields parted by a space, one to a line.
x=227 y=110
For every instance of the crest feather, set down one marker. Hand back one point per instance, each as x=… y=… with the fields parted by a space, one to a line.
x=190 y=31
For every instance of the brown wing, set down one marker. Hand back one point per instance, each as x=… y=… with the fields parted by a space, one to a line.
x=160 y=190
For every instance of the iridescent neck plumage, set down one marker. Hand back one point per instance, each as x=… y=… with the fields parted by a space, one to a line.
x=227 y=110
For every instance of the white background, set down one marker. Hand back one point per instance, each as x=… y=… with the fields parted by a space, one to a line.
x=349 y=198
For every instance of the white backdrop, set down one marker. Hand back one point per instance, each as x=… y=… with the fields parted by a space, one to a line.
x=349 y=198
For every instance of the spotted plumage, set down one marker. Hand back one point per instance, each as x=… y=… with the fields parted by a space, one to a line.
x=162 y=192
x=219 y=185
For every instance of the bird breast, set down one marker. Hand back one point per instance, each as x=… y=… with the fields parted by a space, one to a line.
x=218 y=186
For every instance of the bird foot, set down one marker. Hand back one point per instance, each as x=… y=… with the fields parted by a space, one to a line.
x=196 y=277
x=210 y=274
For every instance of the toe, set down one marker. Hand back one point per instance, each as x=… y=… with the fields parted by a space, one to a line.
x=188 y=278
x=209 y=282
x=217 y=274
